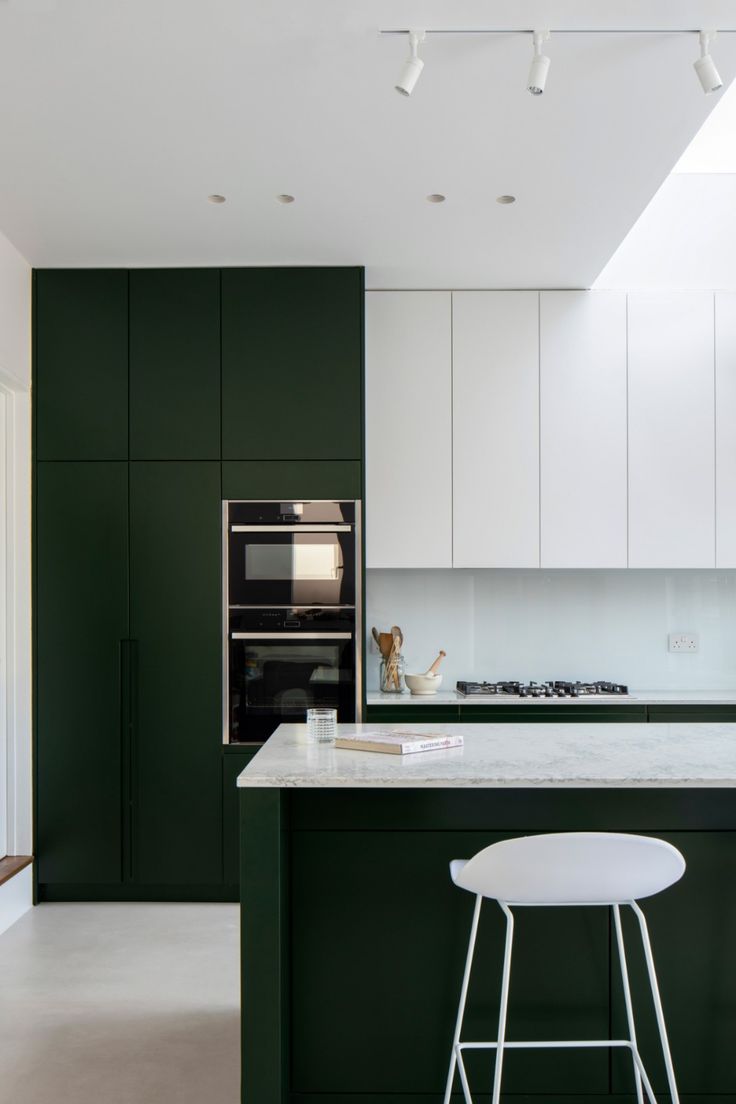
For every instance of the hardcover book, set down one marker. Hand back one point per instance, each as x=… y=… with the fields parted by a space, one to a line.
x=398 y=742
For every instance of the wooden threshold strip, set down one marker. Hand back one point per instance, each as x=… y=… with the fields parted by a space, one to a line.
x=12 y=864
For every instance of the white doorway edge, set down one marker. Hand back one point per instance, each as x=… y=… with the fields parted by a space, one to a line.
x=17 y=806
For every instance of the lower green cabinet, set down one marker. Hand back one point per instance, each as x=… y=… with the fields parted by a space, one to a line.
x=128 y=679
x=175 y=623
x=233 y=763
x=511 y=714
x=354 y=940
x=81 y=599
x=695 y=714
x=691 y=927
x=387 y=985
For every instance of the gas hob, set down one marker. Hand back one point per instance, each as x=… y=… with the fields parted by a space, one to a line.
x=553 y=689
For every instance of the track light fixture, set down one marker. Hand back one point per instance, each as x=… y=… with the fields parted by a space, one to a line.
x=708 y=75
x=539 y=67
x=413 y=67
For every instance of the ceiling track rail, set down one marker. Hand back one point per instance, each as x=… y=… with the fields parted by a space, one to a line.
x=556 y=30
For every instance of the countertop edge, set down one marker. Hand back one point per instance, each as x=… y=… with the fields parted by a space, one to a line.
x=491 y=784
x=636 y=697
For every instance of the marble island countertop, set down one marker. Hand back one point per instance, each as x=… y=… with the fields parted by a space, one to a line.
x=557 y=755
x=636 y=697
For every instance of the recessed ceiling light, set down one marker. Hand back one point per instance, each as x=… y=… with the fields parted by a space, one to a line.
x=215 y=199
x=435 y=197
x=506 y=199
x=285 y=198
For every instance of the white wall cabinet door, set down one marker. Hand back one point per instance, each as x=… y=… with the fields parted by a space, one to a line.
x=671 y=430
x=408 y=429
x=583 y=429
x=725 y=429
x=496 y=428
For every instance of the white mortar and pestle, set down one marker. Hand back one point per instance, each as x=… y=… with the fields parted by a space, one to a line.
x=429 y=682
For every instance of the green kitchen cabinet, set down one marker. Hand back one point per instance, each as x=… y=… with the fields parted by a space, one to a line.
x=175 y=364
x=234 y=762
x=553 y=714
x=695 y=714
x=385 y=713
x=353 y=941
x=292 y=363
x=284 y=479
x=416 y=714
x=379 y=936
x=695 y=957
x=81 y=630
x=175 y=623
x=80 y=380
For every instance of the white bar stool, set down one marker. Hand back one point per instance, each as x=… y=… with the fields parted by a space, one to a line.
x=566 y=868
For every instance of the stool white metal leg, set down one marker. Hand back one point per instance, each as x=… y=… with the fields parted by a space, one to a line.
x=560 y=870
x=506 y=978
x=463 y=997
x=500 y=1044
x=657 y=1003
x=627 y=998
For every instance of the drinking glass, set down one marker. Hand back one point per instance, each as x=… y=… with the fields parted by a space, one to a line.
x=322 y=725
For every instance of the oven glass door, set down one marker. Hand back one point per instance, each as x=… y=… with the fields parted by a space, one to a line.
x=283 y=567
x=275 y=678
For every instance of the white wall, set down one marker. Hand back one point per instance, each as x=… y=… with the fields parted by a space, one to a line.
x=560 y=624
x=16 y=897
x=15 y=315
x=15 y=588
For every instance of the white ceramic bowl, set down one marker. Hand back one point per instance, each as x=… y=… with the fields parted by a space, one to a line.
x=423 y=684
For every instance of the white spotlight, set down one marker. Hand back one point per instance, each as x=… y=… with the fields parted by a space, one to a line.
x=710 y=78
x=412 y=69
x=540 y=65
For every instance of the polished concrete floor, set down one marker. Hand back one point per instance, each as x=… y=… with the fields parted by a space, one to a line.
x=120 y=1004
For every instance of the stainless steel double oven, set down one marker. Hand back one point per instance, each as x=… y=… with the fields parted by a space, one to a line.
x=292 y=590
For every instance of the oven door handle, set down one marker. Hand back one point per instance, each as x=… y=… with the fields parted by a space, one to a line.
x=291 y=636
x=290 y=528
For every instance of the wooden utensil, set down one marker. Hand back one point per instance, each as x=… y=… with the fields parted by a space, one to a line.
x=433 y=669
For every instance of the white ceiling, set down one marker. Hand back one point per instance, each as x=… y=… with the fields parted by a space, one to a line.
x=117 y=119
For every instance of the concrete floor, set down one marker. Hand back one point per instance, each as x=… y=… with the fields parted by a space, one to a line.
x=120 y=1004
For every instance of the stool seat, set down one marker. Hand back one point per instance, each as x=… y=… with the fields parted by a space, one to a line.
x=569 y=868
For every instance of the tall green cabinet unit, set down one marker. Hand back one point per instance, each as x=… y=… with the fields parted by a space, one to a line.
x=156 y=394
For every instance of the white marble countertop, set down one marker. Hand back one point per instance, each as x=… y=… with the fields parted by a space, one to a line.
x=572 y=755
x=636 y=697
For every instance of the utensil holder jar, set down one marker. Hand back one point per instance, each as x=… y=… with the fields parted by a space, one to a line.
x=391 y=675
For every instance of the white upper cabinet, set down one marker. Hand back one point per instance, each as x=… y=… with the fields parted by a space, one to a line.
x=671 y=430
x=408 y=429
x=496 y=428
x=726 y=429
x=583 y=429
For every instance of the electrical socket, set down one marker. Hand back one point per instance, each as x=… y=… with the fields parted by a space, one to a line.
x=682 y=642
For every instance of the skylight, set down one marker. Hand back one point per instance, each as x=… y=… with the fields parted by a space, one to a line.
x=713 y=149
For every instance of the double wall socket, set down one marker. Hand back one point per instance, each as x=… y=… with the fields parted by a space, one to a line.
x=682 y=642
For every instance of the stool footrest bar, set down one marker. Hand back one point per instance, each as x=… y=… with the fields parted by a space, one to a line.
x=545 y=1044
